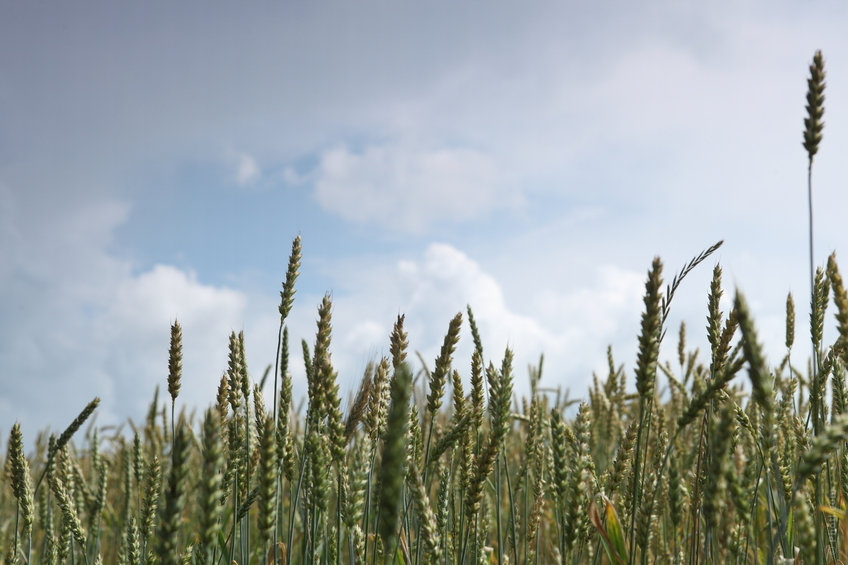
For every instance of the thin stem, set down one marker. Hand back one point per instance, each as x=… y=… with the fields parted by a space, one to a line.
x=511 y=511
x=812 y=270
x=498 y=508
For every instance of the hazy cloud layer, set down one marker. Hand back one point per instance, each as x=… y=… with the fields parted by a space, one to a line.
x=553 y=148
x=407 y=188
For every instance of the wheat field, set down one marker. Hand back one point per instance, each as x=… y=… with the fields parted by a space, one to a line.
x=725 y=458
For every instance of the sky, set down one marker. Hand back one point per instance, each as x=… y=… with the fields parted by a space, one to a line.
x=527 y=159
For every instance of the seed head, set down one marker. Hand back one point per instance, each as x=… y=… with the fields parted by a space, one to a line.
x=175 y=361
x=813 y=123
x=287 y=294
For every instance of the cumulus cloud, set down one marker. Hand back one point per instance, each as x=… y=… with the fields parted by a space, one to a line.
x=405 y=187
x=80 y=323
x=677 y=110
x=597 y=309
x=133 y=333
x=571 y=328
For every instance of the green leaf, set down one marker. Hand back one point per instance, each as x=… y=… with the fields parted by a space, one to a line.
x=222 y=543
x=612 y=535
x=614 y=530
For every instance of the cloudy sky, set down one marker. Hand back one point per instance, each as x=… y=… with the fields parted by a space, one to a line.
x=528 y=159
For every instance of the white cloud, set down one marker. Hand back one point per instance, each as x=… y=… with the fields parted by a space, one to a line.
x=405 y=187
x=245 y=169
x=248 y=170
x=134 y=332
x=571 y=328
x=682 y=127
x=599 y=308
x=79 y=323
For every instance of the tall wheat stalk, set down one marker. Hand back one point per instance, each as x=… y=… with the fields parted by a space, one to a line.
x=813 y=126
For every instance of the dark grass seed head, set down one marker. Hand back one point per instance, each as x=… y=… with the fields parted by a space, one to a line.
x=223 y=397
x=375 y=417
x=813 y=123
x=234 y=372
x=76 y=424
x=714 y=315
x=20 y=476
x=258 y=407
x=244 y=377
x=646 y=360
x=360 y=403
x=287 y=294
x=151 y=496
x=458 y=394
x=477 y=392
x=439 y=376
x=399 y=342
x=475 y=333
x=70 y=518
x=175 y=361
x=821 y=294
x=790 y=321
x=840 y=298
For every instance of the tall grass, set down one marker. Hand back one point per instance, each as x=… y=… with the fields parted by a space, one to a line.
x=691 y=463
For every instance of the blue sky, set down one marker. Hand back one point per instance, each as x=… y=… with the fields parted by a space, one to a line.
x=156 y=161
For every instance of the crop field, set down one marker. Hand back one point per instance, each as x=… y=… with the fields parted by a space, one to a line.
x=720 y=457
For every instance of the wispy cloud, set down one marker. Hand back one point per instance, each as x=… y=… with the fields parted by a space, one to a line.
x=406 y=187
x=243 y=168
x=248 y=170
